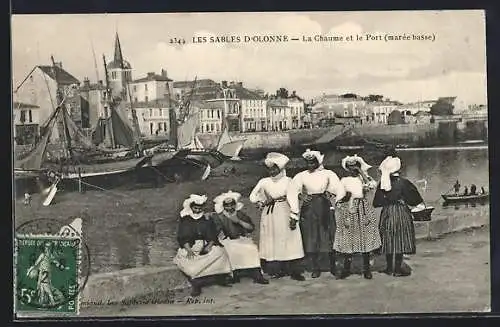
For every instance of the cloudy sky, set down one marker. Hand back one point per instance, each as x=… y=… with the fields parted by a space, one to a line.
x=454 y=64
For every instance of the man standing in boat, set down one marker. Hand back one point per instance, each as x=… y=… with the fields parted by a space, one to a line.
x=457 y=187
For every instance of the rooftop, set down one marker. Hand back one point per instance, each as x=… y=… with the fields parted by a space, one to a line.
x=151 y=76
x=63 y=77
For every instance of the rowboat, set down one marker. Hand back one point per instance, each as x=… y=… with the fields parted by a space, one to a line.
x=451 y=198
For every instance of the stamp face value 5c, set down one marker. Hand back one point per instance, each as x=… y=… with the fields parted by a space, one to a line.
x=47 y=274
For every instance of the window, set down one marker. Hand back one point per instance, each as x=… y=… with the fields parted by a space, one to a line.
x=22 y=118
x=150 y=112
x=113 y=75
x=135 y=88
x=212 y=127
x=218 y=114
x=135 y=99
x=164 y=126
x=161 y=112
x=151 y=128
x=146 y=99
x=145 y=87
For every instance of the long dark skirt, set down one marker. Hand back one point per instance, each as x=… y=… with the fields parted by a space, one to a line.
x=396 y=229
x=317 y=225
x=285 y=268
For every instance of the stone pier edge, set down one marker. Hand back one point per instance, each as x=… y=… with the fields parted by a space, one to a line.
x=147 y=284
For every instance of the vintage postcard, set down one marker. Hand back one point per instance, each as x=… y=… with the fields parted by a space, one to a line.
x=250 y=163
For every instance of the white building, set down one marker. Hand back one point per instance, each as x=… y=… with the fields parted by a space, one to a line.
x=151 y=87
x=39 y=88
x=297 y=108
x=153 y=117
x=380 y=111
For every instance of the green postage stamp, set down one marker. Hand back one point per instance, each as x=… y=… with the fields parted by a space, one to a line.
x=47 y=274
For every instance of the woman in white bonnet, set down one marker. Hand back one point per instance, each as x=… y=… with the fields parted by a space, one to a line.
x=200 y=253
x=357 y=228
x=280 y=243
x=319 y=190
x=235 y=228
x=394 y=194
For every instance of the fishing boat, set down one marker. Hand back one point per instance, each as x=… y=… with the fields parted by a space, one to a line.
x=461 y=198
x=76 y=157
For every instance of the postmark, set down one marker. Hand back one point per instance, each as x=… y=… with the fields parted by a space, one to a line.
x=47 y=271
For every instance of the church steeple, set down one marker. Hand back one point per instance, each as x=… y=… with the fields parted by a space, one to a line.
x=118 y=58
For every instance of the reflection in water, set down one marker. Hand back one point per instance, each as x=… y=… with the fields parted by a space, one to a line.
x=113 y=246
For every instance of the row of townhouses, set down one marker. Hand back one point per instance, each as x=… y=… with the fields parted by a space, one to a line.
x=154 y=95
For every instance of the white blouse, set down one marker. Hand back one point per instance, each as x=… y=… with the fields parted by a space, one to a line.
x=320 y=181
x=268 y=188
x=353 y=185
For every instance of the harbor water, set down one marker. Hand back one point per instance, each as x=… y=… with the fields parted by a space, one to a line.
x=146 y=236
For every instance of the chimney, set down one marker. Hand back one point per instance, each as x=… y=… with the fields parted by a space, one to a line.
x=86 y=82
x=224 y=83
x=164 y=73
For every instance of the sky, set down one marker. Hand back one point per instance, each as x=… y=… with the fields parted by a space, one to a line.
x=454 y=64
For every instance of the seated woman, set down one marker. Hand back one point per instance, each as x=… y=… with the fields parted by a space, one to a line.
x=234 y=228
x=200 y=254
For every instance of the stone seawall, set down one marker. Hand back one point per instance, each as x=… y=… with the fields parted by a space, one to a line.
x=138 y=283
x=411 y=134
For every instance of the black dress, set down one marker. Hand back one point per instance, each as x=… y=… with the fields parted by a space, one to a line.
x=191 y=230
x=396 y=221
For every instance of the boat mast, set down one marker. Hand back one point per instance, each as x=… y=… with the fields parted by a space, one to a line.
x=109 y=104
x=60 y=99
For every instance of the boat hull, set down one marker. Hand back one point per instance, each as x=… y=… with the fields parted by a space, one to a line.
x=465 y=198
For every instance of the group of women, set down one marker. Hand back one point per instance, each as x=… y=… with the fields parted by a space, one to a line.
x=312 y=215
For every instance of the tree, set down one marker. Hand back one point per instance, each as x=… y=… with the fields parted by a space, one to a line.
x=349 y=96
x=395 y=118
x=442 y=108
x=374 y=98
x=282 y=93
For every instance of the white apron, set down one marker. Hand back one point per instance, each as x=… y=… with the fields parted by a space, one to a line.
x=213 y=263
x=242 y=253
x=277 y=241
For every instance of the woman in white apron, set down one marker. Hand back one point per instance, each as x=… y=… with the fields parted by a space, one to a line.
x=235 y=228
x=280 y=243
x=200 y=254
x=357 y=228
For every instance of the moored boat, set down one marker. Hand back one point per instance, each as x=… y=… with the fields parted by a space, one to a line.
x=456 y=198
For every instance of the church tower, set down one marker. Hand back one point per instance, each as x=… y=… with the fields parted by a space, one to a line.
x=120 y=72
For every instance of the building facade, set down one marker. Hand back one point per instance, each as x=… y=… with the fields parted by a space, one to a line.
x=151 y=87
x=380 y=111
x=93 y=99
x=279 y=115
x=39 y=88
x=153 y=117
x=26 y=123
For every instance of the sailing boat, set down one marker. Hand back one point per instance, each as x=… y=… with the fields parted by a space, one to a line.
x=78 y=159
x=227 y=148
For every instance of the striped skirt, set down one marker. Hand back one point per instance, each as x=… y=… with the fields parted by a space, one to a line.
x=396 y=229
